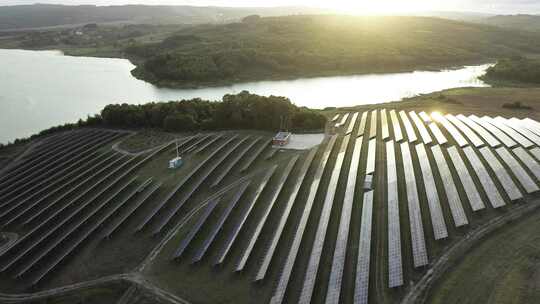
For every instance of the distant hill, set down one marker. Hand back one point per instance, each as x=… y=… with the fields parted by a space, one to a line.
x=47 y=15
x=520 y=22
x=303 y=46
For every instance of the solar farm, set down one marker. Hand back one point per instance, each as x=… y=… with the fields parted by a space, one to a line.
x=357 y=219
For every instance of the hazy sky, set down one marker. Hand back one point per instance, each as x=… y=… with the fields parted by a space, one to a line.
x=365 y=6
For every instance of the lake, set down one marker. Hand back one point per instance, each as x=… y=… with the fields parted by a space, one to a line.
x=40 y=89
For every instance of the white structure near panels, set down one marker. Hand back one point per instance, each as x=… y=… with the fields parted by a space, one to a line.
x=398 y=134
x=420 y=257
x=489 y=186
x=452 y=194
x=502 y=175
x=437 y=217
x=522 y=176
x=411 y=136
x=490 y=139
x=361 y=288
x=424 y=134
x=395 y=268
x=466 y=180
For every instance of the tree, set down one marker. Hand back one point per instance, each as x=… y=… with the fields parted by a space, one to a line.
x=177 y=122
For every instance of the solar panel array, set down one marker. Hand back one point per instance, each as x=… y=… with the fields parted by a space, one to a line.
x=395 y=267
x=487 y=183
x=318 y=243
x=361 y=288
x=502 y=175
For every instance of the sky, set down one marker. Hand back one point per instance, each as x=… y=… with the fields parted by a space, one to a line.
x=351 y=6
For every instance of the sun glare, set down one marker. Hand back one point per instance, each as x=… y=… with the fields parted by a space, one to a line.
x=381 y=7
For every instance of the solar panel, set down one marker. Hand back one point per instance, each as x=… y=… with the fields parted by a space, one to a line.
x=239 y=156
x=373 y=124
x=51 y=265
x=384 y=125
x=46 y=222
x=116 y=224
x=195 y=229
x=485 y=179
x=246 y=212
x=507 y=141
x=271 y=153
x=418 y=242
x=411 y=135
x=536 y=153
x=165 y=219
x=370 y=166
x=55 y=175
x=437 y=217
x=47 y=168
x=520 y=129
x=279 y=292
x=532 y=125
x=192 y=146
x=490 y=139
x=460 y=140
x=268 y=208
x=269 y=253
x=335 y=117
x=184 y=180
x=398 y=135
x=361 y=289
x=439 y=136
x=255 y=155
x=532 y=131
x=318 y=242
x=528 y=160
x=424 y=134
x=425 y=117
x=505 y=180
x=219 y=224
x=362 y=126
x=466 y=180
x=475 y=140
x=522 y=176
x=352 y=123
x=343 y=120
x=208 y=144
x=395 y=268
x=49 y=192
x=70 y=191
x=340 y=250
x=509 y=131
x=56 y=178
x=452 y=194
x=47 y=248
x=32 y=165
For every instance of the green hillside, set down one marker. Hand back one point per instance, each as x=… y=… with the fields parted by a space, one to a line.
x=519 y=22
x=300 y=46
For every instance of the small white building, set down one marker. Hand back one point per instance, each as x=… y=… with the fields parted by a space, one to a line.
x=175 y=163
x=281 y=139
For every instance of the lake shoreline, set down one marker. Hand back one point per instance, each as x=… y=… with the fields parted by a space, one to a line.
x=163 y=84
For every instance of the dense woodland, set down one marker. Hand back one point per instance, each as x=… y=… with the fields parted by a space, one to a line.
x=298 y=46
x=240 y=111
x=516 y=69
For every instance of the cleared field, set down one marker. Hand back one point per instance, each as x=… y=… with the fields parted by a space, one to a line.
x=356 y=220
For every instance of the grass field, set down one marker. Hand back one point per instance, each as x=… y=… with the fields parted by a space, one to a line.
x=504 y=268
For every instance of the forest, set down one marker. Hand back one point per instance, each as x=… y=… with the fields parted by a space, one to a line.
x=236 y=111
x=304 y=46
x=515 y=70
